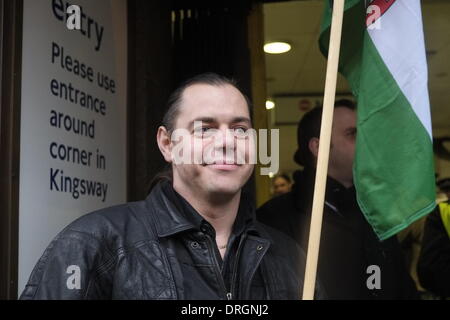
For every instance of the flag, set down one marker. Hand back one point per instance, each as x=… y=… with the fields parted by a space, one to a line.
x=383 y=58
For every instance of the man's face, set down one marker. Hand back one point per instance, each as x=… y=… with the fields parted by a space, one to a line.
x=280 y=186
x=215 y=117
x=342 y=151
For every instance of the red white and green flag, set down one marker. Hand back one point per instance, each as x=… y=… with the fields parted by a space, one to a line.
x=383 y=58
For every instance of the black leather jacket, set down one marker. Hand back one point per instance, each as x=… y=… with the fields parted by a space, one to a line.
x=153 y=249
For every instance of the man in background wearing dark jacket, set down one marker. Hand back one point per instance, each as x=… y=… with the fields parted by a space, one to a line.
x=353 y=263
x=194 y=237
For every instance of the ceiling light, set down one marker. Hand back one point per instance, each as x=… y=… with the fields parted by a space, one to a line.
x=277 y=47
x=270 y=104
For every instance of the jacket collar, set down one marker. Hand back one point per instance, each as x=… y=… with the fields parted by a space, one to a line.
x=173 y=214
x=337 y=197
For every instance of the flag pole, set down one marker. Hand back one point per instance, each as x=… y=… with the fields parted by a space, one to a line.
x=324 y=150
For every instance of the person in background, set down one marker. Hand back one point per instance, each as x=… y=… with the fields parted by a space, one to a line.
x=411 y=238
x=349 y=247
x=281 y=184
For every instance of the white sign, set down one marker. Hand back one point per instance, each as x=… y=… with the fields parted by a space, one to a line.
x=73 y=117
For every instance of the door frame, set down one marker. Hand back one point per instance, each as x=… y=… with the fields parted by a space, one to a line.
x=11 y=16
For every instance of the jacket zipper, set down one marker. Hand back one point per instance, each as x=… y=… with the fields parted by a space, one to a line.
x=228 y=295
x=236 y=263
